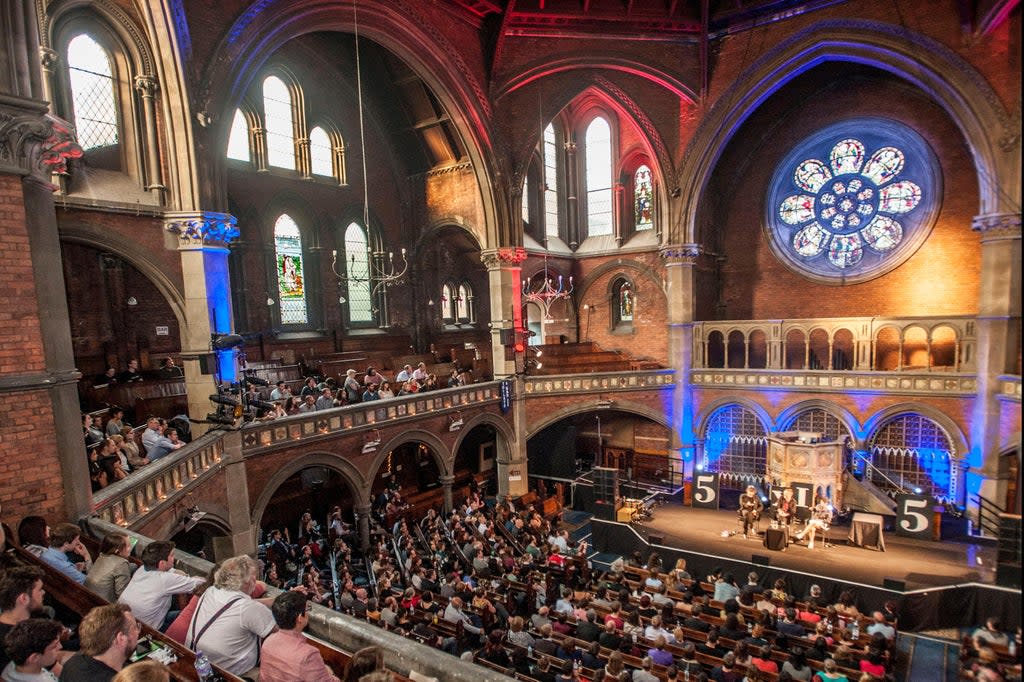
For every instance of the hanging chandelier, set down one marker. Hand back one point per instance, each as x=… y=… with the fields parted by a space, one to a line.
x=382 y=269
x=548 y=290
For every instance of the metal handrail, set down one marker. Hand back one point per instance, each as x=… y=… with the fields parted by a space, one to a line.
x=987 y=509
x=871 y=467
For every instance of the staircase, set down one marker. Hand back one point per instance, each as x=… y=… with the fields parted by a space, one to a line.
x=863 y=495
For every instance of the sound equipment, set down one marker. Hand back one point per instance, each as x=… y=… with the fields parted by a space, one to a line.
x=894 y=584
x=1008 y=554
x=606 y=493
x=760 y=559
x=776 y=539
x=656 y=539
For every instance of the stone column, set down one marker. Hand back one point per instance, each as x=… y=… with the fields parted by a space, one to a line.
x=362 y=512
x=203 y=238
x=259 y=148
x=679 y=261
x=572 y=201
x=504 y=275
x=998 y=342
x=47 y=474
x=446 y=487
x=147 y=87
x=49 y=59
x=236 y=488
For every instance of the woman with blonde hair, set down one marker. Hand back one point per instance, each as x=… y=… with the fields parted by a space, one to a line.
x=144 y=671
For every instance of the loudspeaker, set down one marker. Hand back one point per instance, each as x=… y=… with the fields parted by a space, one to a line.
x=894 y=584
x=656 y=538
x=1008 y=557
x=760 y=559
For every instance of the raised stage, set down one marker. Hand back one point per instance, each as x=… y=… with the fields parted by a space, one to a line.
x=917 y=563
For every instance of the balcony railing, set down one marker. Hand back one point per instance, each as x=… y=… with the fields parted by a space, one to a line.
x=1009 y=387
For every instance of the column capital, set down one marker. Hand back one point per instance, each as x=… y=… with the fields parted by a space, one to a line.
x=147 y=85
x=48 y=58
x=35 y=143
x=202 y=228
x=494 y=259
x=685 y=254
x=446 y=480
x=997 y=226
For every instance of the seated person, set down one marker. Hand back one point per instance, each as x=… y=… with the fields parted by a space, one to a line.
x=785 y=507
x=131 y=373
x=150 y=590
x=65 y=538
x=750 y=509
x=108 y=634
x=33 y=646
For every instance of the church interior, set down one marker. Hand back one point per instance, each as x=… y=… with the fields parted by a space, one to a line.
x=636 y=254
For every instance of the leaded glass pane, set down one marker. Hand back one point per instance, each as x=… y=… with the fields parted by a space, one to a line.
x=320 y=152
x=913 y=451
x=357 y=268
x=448 y=303
x=625 y=301
x=92 y=93
x=525 y=203
x=817 y=420
x=277 y=108
x=550 y=182
x=599 y=178
x=462 y=303
x=643 y=199
x=291 y=287
x=238 y=140
x=735 y=443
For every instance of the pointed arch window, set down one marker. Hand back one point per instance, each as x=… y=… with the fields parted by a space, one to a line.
x=448 y=296
x=624 y=304
x=357 y=267
x=238 y=140
x=321 y=152
x=643 y=199
x=551 y=212
x=291 y=288
x=92 y=92
x=279 y=113
x=463 y=307
x=599 y=178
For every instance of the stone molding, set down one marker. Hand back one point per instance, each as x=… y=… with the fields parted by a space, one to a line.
x=35 y=144
x=996 y=226
x=686 y=254
x=891 y=383
x=202 y=229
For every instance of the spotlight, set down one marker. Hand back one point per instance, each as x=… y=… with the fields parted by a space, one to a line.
x=192 y=517
x=224 y=400
x=261 y=404
x=226 y=341
x=215 y=418
x=256 y=381
x=917 y=491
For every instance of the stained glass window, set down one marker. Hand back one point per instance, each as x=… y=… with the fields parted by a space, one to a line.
x=357 y=267
x=550 y=182
x=624 y=301
x=912 y=451
x=448 y=302
x=92 y=92
x=277 y=108
x=238 y=140
x=291 y=289
x=643 y=199
x=599 y=178
x=854 y=201
x=320 y=152
x=736 y=443
x=462 y=303
x=817 y=420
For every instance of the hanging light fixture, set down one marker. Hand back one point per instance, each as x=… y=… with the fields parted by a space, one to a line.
x=548 y=291
x=383 y=269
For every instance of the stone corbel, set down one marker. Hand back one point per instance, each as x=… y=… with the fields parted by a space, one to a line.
x=35 y=144
x=202 y=229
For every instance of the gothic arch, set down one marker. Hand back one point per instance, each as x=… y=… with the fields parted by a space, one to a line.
x=505 y=450
x=955 y=85
x=701 y=423
x=442 y=455
x=837 y=411
x=429 y=234
x=348 y=472
x=138 y=257
x=54 y=16
x=628 y=406
x=643 y=272
x=956 y=435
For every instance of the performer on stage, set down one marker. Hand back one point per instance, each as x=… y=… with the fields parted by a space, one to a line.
x=821 y=517
x=785 y=508
x=750 y=509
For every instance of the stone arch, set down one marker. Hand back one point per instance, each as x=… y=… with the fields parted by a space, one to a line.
x=953 y=83
x=628 y=406
x=443 y=457
x=956 y=435
x=503 y=428
x=839 y=412
x=399 y=27
x=54 y=16
x=138 y=257
x=701 y=423
x=348 y=472
x=644 y=273
x=430 y=233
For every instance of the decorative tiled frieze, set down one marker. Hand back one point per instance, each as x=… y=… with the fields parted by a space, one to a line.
x=871 y=382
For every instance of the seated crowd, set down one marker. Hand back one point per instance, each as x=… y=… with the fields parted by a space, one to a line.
x=115 y=449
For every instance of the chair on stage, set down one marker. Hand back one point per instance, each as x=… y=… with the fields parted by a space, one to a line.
x=757 y=522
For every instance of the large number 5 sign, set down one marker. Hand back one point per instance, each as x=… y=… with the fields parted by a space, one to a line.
x=705 y=490
x=913 y=515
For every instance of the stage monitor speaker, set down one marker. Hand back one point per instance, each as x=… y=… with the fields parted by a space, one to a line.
x=656 y=539
x=894 y=584
x=1008 y=558
x=760 y=559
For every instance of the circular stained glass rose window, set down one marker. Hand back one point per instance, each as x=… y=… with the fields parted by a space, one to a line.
x=853 y=201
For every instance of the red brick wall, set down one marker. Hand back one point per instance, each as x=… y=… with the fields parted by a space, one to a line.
x=30 y=479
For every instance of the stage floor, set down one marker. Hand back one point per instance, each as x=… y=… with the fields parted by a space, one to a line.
x=919 y=563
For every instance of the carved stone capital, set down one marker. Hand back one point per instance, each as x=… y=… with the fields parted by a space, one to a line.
x=204 y=228
x=36 y=144
x=48 y=58
x=681 y=253
x=996 y=226
x=494 y=259
x=146 y=85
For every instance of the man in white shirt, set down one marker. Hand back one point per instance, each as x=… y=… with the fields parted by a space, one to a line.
x=156 y=443
x=420 y=373
x=404 y=375
x=229 y=624
x=150 y=591
x=879 y=625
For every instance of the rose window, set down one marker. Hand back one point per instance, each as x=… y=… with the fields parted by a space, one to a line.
x=845 y=210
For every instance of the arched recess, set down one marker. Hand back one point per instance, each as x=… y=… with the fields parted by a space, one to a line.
x=701 y=423
x=952 y=429
x=443 y=456
x=929 y=65
x=503 y=428
x=348 y=472
x=135 y=254
x=646 y=273
x=399 y=27
x=791 y=413
x=628 y=406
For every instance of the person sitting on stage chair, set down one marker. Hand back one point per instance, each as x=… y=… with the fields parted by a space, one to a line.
x=750 y=509
x=821 y=517
x=785 y=507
